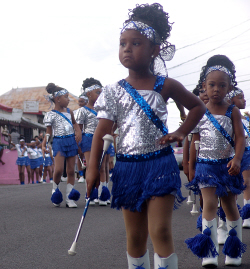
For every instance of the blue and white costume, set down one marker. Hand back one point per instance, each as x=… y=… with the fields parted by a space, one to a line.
x=64 y=136
x=214 y=154
x=245 y=163
x=144 y=168
x=22 y=159
x=40 y=156
x=87 y=117
x=34 y=158
x=48 y=160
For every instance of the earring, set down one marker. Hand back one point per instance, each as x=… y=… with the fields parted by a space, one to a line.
x=152 y=56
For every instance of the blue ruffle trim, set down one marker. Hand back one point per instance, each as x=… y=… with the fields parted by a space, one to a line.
x=86 y=142
x=65 y=145
x=245 y=163
x=135 y=182
x=216 y=175
x=21 y=161
x=34 y=163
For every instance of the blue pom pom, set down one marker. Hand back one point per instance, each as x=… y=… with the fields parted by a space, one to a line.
x=233 y=247
x=94 y=194
x=105 y=195
x=221 y=214
x=245 y=212
x=202 y=245
x=74 y=195
x=57 y=197
x=199 y=223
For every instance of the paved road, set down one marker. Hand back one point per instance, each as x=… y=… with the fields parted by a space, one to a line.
x=34 y=234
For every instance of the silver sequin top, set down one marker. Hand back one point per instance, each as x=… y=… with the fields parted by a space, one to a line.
x=137 y=133
x=87 y=119
x=246 y=123
x=213 y=145
x=60 y=126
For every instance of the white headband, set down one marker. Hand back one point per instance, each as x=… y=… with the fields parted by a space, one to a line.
x=91 y=88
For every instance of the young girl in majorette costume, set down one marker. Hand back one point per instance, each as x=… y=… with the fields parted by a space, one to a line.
x=146 y=180
x=87 y=120
x=237 y=98
x=217 y=171
x=48 y=164
x=34 y=158
x=22 y=159
x=67 y=135
x=82 y=101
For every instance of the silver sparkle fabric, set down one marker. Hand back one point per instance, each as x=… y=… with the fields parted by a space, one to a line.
x=87 y=119
x=60 y=126
x=137 y=134
x=213 y=145
x=246 y=123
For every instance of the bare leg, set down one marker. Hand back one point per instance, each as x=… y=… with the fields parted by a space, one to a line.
x=229 y=205
x=59 y=165
x=37 y=174
x=136 y=225
x=32 y=175
x=160 y=211
x=28 y=172
x=246 y=176
x=210 y=203
x=70 y=167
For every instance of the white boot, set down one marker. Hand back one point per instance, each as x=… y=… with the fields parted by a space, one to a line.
x=246 y=222
x=69 y=203
x=139 y=263
x=212 y=225
x=54 y=187
x=81 y=179
x=171 y=262
x=237 y=226
x=222 y=232
x=104 y=203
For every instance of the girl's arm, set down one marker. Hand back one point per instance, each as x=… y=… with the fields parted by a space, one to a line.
x=48 y=131
x=92 y=177
x=182 y=110
x=192 y=156
x=25 y=149
x=185 y=161
x=78 y=132
x=240 y=143
x=175 y=90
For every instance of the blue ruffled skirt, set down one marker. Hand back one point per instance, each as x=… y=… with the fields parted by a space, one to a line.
x=27 y=161
x=245 y=163
x=21 y=161
x=66 y=145
x=34 y=163
x=86 y=142
x=48 y=161
x=216 y=175
x=136 y=179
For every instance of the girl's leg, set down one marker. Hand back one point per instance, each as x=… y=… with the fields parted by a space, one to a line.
x=45 y=173
x=160 y=211
x=210 y=203
x=32 y=175
x=70 y=168
x=229 y=206
x=28 y=172
x=37 y=174
x=59 y=165
x=246 y=176
x=21 y=173
x=49 y=168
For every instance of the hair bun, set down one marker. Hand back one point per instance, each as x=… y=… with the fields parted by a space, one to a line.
x=51 y=87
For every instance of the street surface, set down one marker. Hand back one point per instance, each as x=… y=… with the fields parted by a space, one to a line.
x=36 y=235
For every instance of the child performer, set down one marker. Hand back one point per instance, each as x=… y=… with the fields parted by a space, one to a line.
x=21 y=159
x=146 y=180
x=34 y=157
x=61 y=120
x=237 y=98
x=217 y=171
x=48 y=164
x=82 y=101
x=87 y=120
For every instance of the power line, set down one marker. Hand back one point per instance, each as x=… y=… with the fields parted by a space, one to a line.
x=212 y=36
x=207 y=51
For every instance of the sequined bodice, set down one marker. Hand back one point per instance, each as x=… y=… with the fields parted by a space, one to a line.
x=213 y=145
x=87 y=119
x=60 y=126
x=246 y=123
x=137 y=134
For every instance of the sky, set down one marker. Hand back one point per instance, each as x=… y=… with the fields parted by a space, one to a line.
x=67 y=41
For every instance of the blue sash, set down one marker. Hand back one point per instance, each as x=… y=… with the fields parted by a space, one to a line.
x=144 y=105
x=61 y=114
x=219 y=127
x=91 y=110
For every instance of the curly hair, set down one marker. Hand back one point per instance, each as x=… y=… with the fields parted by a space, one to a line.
x=154 y=16
x=217 y=60
x=51 y=88
x=90 y=82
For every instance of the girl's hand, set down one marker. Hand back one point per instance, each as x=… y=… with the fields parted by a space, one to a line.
x=172 y=137
x=191 y=174
x=92 y=179
x=234 y=165
x=78 y=136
